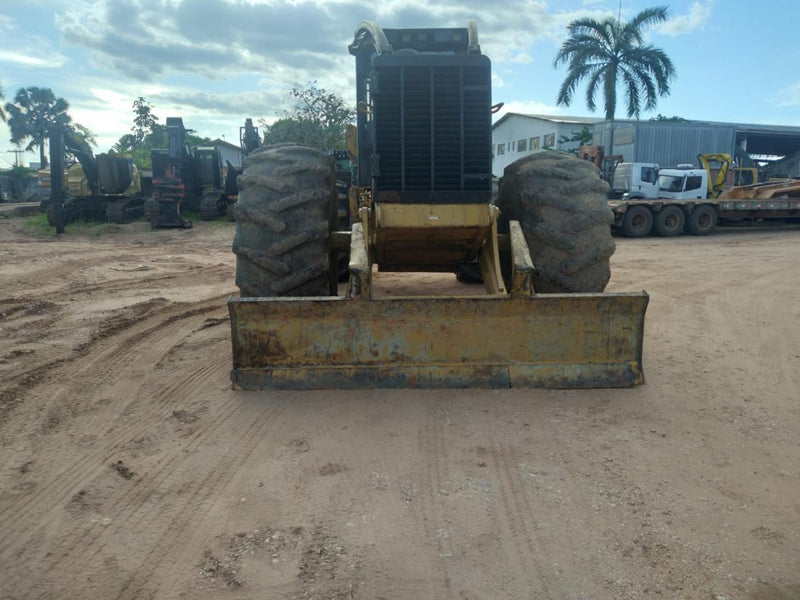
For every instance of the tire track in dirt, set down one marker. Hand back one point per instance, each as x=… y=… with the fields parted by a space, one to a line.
x=52 y=274
x=78 y=544
x=78 y=557
x=518 y=531
x=123 y=284
x=45 y=373
x=433 y=448
x=28 y=318
x=103 y=356
x=16 y=385
x=178 y=527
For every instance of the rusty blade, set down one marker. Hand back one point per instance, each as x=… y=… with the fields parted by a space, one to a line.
x=549 y=340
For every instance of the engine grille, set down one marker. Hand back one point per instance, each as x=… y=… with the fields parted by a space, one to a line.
x=432 y=127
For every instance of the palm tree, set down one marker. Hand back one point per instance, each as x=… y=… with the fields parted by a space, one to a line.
x=2 y=112
x=83 y=133
x=611 y=51
x=31 y=115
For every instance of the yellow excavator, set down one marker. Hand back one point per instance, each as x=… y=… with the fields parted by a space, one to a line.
x=723 y=175
x=422 y=201
x=103 y=187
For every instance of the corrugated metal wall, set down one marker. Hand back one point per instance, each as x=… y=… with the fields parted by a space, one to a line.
x=667 y=144
x=673 y=144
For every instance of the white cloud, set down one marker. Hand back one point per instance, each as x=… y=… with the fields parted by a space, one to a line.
x=52 y=60
x=695 y=19
x=217 y=39
x=110 y=97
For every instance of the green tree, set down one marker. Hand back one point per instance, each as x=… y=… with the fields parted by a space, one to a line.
x=83 y=133
x=144 y=120
x=125 y=144
x=613 y=51
x=317 y=119
x=2 y=112
x=31 y=115
x=660 y=117
x=584 y=136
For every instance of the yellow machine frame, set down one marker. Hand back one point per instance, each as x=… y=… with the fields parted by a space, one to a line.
x=503 y=338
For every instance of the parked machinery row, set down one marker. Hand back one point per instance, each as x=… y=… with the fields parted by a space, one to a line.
x=110 y=187
x=694 y=200
x=186 y=178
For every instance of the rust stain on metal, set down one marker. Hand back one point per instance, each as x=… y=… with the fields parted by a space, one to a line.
x=558 y=340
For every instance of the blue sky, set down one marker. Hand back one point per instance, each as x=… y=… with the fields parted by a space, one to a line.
x=215 y=62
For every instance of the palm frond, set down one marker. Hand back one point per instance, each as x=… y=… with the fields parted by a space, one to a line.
x=649 y=17
x=591 y=87
x=584 y=45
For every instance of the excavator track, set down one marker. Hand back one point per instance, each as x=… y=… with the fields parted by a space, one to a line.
x=124 y=210
x=210 y=205
x=150 y=208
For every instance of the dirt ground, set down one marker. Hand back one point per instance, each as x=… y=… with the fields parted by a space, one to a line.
x=130 y=469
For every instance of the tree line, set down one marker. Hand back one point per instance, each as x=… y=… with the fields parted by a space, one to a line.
x=318 y=119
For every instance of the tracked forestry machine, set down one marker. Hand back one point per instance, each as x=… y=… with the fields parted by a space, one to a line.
x=184 y=178
x=103 y=187
x=423 y=200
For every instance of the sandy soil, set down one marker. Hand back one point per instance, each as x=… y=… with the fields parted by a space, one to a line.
x=130 y=469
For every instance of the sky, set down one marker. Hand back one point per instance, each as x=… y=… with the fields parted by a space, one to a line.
x=216 y=62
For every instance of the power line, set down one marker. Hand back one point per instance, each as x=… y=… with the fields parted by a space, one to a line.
x=17 y=158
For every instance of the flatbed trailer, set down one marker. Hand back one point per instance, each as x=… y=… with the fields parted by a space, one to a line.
x=667 y=217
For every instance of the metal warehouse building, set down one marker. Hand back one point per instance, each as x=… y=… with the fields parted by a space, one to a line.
x=667 y=143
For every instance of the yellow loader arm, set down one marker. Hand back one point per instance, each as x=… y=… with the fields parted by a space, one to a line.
x=716 y=184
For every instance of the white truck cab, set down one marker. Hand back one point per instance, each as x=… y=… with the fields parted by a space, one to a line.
x=636 y=180
x=683 y=184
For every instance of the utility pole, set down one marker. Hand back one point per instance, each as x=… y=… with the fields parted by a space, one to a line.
x=18 y=156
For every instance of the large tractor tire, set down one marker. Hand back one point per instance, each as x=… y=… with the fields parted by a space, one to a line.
x=561 y=203
x=284 y=215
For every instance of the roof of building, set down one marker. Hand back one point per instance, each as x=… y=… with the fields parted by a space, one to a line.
x=749 y=127
x=219 y=142
x=761 y=138
x=552 y=118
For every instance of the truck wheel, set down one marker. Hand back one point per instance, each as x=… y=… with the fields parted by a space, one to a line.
x=702 y=221
x=669 y=221
x=638 y=222
x=284 y=215
x=561 y=203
